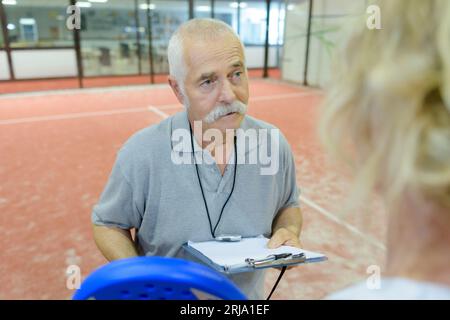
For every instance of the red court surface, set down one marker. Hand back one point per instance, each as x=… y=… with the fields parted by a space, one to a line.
x=56 y=152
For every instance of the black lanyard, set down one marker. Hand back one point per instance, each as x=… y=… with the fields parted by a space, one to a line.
x=213 y=231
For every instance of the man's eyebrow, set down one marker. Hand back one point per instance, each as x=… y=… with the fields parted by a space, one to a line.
x=207 y=75
x=237 y=64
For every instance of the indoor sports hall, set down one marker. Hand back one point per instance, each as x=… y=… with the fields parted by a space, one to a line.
x=69 y=99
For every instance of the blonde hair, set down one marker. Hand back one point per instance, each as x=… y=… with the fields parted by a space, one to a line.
x=387 y=110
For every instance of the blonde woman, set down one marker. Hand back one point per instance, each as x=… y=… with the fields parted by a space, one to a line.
x=387 y=113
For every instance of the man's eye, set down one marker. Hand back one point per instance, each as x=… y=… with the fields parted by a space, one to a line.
x=206 y=83
x=237 y=75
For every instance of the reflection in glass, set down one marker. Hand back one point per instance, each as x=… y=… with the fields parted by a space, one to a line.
x=253 y=17
x=37 y=23
x=253 y=22
x=202 y=9
x=227 y=12
x=166 y=16
x=115 y=33
x=108 y=38
x=327 y=30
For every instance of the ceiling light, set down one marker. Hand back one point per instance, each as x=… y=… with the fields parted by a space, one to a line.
x=27 y=21
x=9 y=2
x=203 y=8
x=84 y=4
x=144 y=6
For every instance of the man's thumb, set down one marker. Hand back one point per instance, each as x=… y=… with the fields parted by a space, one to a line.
x=274 y=242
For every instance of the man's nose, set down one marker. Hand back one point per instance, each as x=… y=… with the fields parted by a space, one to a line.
x=227 y=94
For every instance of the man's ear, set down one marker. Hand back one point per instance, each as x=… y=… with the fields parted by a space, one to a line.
x=176 y=89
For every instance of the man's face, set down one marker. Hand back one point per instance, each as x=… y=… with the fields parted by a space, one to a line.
x=216 y=83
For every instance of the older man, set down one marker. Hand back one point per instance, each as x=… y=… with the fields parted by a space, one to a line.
x=169 y=202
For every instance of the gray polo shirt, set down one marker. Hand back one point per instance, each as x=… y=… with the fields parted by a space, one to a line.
x=161 y=198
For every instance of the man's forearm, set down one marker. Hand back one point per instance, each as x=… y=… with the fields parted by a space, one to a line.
x=289 y=218
x=114 y=243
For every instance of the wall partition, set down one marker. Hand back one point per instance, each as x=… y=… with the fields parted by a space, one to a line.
x=37 y=40
x=122 y=37
x=313 y=29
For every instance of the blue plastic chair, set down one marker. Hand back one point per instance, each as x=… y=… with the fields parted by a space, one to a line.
x=156 y=278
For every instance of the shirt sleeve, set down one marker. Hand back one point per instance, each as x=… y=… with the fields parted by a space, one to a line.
x=290 y=191
x=117 y=205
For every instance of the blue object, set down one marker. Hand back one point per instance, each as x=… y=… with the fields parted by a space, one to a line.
x=157 y=278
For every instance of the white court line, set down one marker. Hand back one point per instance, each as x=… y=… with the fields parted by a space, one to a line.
x=136 y=87
x=170 y=106
x=292 y=84
x=341 y=222
x=261 y=98
x=82 y=115
x=158 y=112
x=284 y=95
x=62 y=92
x=315 y=206
x=71 y=116
x=129 y=110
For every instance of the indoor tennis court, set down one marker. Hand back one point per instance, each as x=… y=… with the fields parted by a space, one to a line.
x=58 y=149
x=70 y=99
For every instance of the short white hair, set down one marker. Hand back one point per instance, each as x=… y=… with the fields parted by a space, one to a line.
x=205 y=30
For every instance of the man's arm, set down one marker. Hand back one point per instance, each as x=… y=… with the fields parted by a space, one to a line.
x=286 y=228
x=114 y=243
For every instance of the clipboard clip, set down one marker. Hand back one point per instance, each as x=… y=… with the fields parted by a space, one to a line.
x=282 y=257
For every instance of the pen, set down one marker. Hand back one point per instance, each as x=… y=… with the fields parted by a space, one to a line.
x=269 y=258
x=280 y=256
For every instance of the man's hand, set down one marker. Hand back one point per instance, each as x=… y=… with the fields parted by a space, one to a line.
x=286 y=229
x=284 y=236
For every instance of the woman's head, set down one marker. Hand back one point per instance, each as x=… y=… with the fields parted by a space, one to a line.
x=388 y=107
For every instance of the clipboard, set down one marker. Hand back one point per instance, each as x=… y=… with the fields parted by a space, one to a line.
x=248 y=255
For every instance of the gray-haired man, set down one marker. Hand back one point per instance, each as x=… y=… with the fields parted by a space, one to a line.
x=169 y=203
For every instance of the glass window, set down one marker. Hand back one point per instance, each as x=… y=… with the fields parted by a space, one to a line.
x=227 y=12
x=37 y=23
x=295 y=38
x=166 y=16
x=276 y=23
x=252 y=16
x=327 y=30
x=202 y=9
x=253 y=22
x=108 y=38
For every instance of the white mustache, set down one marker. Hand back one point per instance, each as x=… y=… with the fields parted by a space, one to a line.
x=222 y=110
